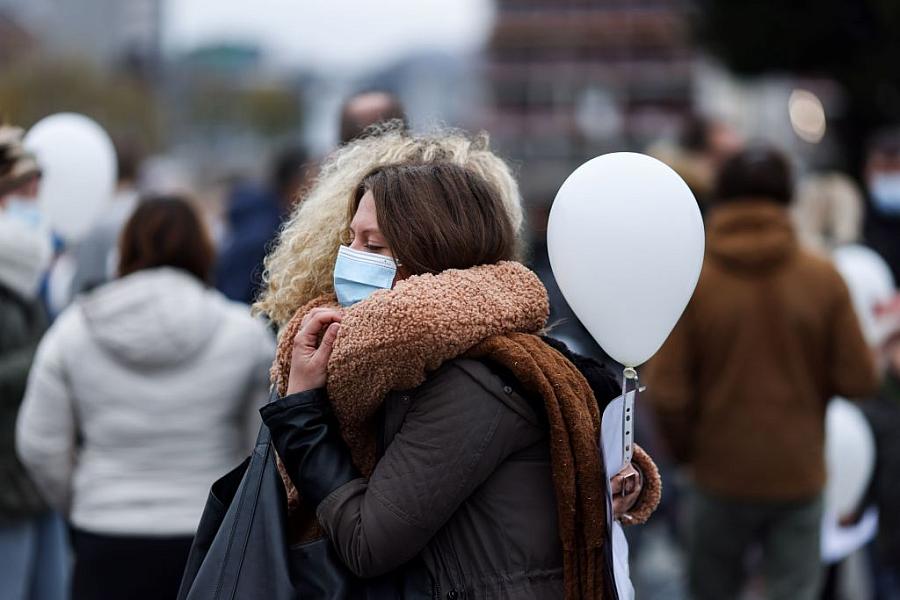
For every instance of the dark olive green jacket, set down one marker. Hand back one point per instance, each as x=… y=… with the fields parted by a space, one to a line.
x=22 y=323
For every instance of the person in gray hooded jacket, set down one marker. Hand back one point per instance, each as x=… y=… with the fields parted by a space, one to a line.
x=141 y=395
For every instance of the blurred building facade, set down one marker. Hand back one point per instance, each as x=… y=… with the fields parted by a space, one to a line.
x=106 y=32
x=571 y=79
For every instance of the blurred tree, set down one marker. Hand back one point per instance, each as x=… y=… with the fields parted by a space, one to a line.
x=853 y=42
x=124 y=105
x=271 y=111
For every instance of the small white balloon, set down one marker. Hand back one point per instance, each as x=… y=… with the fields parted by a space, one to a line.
x=870 y=281
x=849 y=457
x=78 y=165
x=625 y=239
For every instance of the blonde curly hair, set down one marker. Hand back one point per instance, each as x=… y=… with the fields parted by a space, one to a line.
x=300 y=266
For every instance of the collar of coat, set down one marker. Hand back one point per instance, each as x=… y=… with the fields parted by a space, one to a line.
x=750 y=235
x=395 y=338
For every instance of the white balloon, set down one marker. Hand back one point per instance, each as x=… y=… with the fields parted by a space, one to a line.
x=870 y=281
x=78 y=164
x=849 y=457
x=626 y=241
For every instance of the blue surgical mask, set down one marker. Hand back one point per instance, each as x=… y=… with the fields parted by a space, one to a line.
x=885 y=191
x=358 y=274
x=25 y=211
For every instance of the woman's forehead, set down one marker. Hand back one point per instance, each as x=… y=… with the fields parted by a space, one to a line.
x=366 y=218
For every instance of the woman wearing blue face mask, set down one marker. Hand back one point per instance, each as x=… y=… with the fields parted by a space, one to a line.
x=427 y=425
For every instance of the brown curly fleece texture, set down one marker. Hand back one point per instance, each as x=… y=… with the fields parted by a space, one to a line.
x=394 y=339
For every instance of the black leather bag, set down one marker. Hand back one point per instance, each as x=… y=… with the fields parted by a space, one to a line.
x=241 y=549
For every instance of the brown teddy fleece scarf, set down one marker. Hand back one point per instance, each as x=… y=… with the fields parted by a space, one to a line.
x=395 y=338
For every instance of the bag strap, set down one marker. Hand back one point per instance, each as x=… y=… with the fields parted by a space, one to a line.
x=239 y=536
x=264 y=437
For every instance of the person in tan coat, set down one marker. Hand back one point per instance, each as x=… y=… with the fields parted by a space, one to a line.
x=741 y=386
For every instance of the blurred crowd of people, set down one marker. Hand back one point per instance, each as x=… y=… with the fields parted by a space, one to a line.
x=796 y=305
x=117 y=417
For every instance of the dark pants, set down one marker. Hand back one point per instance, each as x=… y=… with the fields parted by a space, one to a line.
x=117 y=567
x=722 y=531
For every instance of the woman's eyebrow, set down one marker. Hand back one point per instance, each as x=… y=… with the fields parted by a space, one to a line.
x=365 y=231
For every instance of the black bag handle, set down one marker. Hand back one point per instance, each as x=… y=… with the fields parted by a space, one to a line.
x=218 y=556
x=238 y=536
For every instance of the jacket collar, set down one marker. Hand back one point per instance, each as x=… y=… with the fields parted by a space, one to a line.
x=753 y=235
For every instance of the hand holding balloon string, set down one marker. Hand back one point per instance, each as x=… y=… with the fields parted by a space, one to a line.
x=626 y=486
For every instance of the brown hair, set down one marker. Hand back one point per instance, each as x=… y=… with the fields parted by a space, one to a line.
x=165 y=231
x=439 y=216
x=755 y=173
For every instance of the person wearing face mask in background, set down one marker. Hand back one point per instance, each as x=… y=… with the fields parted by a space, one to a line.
x=882 y=176
x=32 y=539
x=740 y=387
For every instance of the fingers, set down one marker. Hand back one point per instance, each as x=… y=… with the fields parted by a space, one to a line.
x=622 y=478
x=615 y=485
x=313 y=345
x=327 y=344
x=626 y=471
x=318 y=311
x=626 y=488
x=622 y=504
x=313 y=324
x=318 y=359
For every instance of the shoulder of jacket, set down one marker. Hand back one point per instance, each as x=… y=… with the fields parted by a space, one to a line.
x=70 y=321
x=451 y=372
x=813 y=261
x=824 y=271
x=239 y=315
x=469 y=372
x=236 y=313
x=65 y=337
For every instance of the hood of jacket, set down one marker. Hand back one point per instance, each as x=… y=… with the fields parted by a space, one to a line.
x=152 y=318
x=750 y=235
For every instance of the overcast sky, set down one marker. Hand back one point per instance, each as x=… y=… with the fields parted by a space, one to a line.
x=353 y=35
